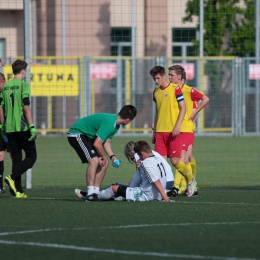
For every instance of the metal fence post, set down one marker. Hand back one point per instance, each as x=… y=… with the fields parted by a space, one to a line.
x=27 y=50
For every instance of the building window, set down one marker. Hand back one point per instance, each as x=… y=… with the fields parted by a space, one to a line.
x=121 y=42
x=182 y=41
x=2 y=50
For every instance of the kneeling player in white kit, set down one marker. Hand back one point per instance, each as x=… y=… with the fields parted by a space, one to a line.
x=153 y=179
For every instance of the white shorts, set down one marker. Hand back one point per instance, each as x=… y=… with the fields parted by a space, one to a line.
x=135 y=194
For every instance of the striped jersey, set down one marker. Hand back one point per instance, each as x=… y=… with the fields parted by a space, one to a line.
x=167 y=107
x=152 y=169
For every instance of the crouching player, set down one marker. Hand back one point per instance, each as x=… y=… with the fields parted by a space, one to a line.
x=153 y=178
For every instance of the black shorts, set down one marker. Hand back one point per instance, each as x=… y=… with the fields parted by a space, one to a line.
x=4 y=146
x=83 y=147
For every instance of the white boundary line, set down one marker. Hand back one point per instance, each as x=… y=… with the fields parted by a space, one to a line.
x=114 y=251
x=187 y=202
x=127 y=226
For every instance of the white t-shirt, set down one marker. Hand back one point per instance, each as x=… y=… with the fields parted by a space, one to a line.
x=151 y=169
x=136 y=180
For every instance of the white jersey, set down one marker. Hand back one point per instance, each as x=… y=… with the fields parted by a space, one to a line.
x=136 y=180
x=151 y=169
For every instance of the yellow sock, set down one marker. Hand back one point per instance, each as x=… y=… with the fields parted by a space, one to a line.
x=194 y=170
x=189 y=168
x=183 y=185
x=177 y=179
x=193 y=166
x=183 y=169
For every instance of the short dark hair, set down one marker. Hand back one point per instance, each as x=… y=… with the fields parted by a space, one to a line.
x=18 y=66
x=128 y=111
x=184 y=76
x=179 y=70
x=2 y=76
x=142 y=146
x=157 y=70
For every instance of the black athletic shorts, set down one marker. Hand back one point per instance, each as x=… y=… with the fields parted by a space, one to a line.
x=83 y=146
x=4 y=146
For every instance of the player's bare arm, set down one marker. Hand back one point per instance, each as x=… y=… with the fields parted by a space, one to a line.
x=98 y=144
x=108 y=148
x=205 y=101
x=176 y=129
x=161 y=190
x=154 y=127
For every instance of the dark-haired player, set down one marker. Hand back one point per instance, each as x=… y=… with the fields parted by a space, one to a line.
x=19 y=127
x=90 y=137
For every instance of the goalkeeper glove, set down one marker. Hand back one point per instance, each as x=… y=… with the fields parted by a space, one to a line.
x=33 y=132
x=2 y=130
x=116 y=163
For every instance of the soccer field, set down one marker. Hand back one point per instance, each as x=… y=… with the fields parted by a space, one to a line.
x=220 y=224
x=221 y=161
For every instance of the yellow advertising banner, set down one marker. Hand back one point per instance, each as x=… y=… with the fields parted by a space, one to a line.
x=51 y=80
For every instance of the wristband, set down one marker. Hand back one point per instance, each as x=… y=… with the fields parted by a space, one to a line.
x=111 y=156
x=31 y=126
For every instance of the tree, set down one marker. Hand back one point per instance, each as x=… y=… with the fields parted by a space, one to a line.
x=228 y=26
x=228 y=31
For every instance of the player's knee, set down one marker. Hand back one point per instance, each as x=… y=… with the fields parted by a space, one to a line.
x=175 y=161
x=30 y=161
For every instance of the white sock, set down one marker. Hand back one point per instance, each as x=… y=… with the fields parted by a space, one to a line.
x=96 y=189
x=106 y=194
x=90 y=190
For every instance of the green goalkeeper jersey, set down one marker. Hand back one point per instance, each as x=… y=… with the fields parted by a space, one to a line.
x=102 y=125
x=13 y=94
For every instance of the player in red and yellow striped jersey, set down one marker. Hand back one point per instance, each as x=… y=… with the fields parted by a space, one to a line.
x=170 y=111
x=191 y=97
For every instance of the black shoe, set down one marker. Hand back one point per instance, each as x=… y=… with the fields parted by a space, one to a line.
x=173 y=192
x=2 y=190
x=196 y=193
x=92 y=197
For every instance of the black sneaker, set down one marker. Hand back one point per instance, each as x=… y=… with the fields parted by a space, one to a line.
x=92 y=197
x=196 y=193
x=173 y=192
x=2 y=190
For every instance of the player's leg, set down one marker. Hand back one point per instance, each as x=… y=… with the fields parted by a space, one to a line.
x=2 y=154
x=16 y=161
x=100 y=174
x=175 y=147
x=87 y=153
x=2 y=189
x=161 y=144
x=194 y=168
x=27 y=163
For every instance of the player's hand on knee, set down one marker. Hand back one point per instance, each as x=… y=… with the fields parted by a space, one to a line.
x=33 y=132
x=102 y=161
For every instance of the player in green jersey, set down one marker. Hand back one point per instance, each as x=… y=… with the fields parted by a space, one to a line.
x=90 y=137
x=19 y=127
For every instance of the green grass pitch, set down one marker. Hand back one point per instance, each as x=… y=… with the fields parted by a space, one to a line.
x=220 y=162
x=222 y=223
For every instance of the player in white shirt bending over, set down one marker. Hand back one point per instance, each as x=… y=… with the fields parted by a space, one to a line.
x=153 y=179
